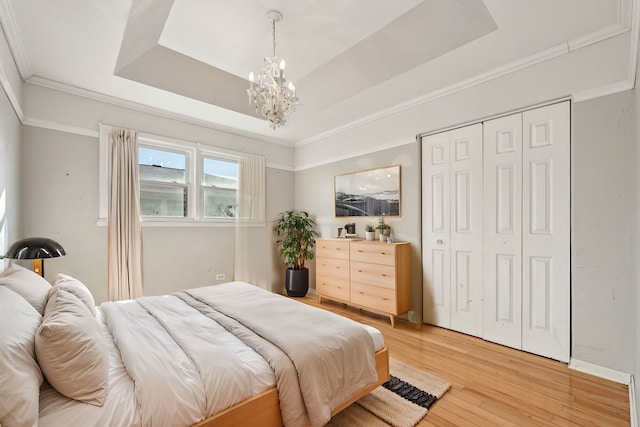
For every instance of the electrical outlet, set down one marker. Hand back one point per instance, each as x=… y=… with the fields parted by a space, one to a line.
x=220 y=276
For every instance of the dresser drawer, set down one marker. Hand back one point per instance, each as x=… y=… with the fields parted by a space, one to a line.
x=333 y=267
x=381 y=299
x=332 y=287
x=383 y=276
x=374 y=252
x=332 y=249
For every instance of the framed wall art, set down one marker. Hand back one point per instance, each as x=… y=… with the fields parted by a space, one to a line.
x=372 y=192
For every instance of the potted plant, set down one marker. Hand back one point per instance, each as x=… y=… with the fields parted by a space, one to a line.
x=369 y=232
x=295 y=247
x=384 y=229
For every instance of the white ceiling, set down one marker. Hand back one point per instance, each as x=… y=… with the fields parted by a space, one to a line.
x=192 y=57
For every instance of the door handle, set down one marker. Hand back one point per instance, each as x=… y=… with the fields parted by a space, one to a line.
x=439 y=241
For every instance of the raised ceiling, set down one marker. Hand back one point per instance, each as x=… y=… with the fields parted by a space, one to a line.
x=193 y=57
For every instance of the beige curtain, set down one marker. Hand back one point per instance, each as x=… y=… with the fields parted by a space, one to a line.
x=124 y=232
x=251 y=241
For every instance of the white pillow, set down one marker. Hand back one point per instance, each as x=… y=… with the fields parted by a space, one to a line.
x=71 y=350
x=31 y=286
x=77 y=288
x=20 y=376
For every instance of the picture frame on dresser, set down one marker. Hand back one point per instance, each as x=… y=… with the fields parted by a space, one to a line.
x=370 y=192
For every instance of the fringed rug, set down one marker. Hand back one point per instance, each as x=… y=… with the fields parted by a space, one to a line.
x=401 y=402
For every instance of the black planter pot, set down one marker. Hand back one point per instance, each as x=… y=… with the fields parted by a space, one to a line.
x=297 y=283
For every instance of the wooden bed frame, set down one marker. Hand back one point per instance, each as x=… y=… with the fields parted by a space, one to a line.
x=263 y=410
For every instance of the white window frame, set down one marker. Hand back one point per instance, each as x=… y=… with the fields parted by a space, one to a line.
x=190 y=151
x=212 y=152
x=194 y=177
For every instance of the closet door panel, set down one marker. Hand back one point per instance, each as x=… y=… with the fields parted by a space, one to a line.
x=546 y=225
x=436 y=293
x=502 y=230
x=466 y=229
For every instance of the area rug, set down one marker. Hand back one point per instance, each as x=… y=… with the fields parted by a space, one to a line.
x=401 y=402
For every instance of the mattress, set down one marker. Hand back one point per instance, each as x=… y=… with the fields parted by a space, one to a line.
x=249 y=374
x=120 y=408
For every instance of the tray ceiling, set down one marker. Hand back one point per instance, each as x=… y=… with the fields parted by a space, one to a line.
x=193 y=57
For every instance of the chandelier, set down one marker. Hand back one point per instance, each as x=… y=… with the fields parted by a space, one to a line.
x=271 y=96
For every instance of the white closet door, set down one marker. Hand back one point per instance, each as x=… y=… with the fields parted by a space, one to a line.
x=466 y=229
x=546 y=225
x=436 y=230
x=502 y=230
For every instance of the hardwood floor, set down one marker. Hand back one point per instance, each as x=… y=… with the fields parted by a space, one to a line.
x=492 y=385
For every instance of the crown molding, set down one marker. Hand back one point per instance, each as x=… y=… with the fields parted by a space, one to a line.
x=628 y=17
x=604 y=90
x=8 y=89
x=625 y=12
x=635 y=35
x=511 y=67
x=108 y=99
x=352 y=154
x=75 y=130
x=597 y=36
x=8 y=21
x=280 y=167
x=630 y=82
x=627 y=21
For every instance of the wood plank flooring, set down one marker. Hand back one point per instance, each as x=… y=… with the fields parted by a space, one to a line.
x=492 y=385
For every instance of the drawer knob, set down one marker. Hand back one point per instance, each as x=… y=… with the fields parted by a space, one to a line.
x=382 y=253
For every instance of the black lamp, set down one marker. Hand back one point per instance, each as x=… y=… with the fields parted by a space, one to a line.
x=36 y=248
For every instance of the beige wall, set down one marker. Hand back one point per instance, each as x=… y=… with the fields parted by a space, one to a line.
x=10 y=189
x=314 y=193
x=59 y=175
x=59 y=192
x=604 y=283
x=603 y=280
x=636 y=240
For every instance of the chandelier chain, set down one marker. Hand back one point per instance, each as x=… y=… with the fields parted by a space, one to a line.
x=273 y=21
x=272 y=98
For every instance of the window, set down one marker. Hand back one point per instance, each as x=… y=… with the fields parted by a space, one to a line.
x=220 y=187
x=186 y=183
x=164 y=189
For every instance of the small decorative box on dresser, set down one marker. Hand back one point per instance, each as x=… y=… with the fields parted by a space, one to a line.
x=367 y=274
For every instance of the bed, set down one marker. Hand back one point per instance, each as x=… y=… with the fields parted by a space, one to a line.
x=223 y=355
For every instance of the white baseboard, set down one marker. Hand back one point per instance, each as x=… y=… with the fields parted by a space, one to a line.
x=600 y=371
x=633 y=409
x=613 y=375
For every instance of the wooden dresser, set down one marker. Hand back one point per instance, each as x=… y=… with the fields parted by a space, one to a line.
x=367 y=274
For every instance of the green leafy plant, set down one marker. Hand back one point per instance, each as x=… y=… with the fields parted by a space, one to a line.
x=298 y=238
x=382 y=225
x=369 y=228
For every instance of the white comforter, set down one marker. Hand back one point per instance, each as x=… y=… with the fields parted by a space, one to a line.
x=174 y=361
